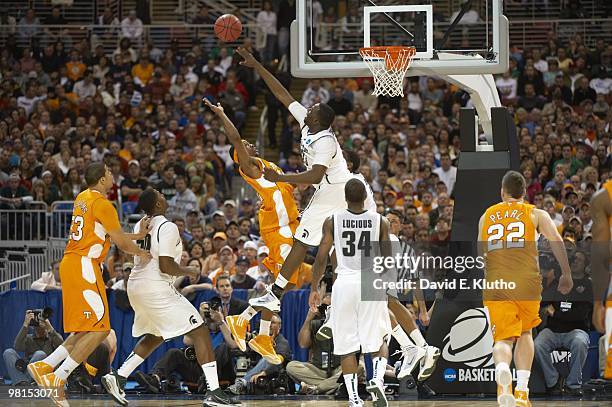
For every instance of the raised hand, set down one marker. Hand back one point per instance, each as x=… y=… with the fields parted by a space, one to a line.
x=248 y=58
x=217 y=109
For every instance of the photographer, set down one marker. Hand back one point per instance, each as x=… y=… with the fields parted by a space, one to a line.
x=319 y=375
x=265 y=370
x=566 y=326
x=35 y=346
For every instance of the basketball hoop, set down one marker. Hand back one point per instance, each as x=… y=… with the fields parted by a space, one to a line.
x=388 y=66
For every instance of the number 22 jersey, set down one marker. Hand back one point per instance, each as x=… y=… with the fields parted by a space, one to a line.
x=510 y=242
x=163 y=240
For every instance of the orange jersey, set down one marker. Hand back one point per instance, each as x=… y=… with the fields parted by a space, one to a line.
x=93 y=215
x=509 y=237
x=278 y=209
x=608 y=187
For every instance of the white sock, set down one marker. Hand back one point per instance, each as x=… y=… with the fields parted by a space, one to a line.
x=501 y=367
x=401 y=337
x=522 y=380
x=351 y=387
x=418 y=338
x=248 y=313
x=66 y=368
x=56 y=357
x=281 y=281
x=210 y=373
x=264 y=327
x=379 y=365
x=130 y=364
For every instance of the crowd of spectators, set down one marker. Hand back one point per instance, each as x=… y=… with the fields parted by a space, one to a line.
x=139 y=109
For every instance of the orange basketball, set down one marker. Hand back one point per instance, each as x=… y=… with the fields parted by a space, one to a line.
x=228 y=28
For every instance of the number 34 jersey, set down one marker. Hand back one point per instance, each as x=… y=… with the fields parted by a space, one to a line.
x=163 y=240
x=353 y=237
x=510 y=245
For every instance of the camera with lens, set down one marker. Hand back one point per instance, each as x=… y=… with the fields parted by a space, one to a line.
x=328 y=277
x=40 y=315
x=322 y=308
x=213 y=305
x=190 y=353
x=276 y=385
x=21 y=365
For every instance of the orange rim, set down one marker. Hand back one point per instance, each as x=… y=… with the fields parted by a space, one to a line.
x=390 y=53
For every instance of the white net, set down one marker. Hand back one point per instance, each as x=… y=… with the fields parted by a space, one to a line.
x=388 y=66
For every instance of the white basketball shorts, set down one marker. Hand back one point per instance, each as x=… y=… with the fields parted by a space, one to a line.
x=161 y=310
x=356 y=324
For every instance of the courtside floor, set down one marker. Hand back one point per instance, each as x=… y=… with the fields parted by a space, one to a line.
x=147 y=401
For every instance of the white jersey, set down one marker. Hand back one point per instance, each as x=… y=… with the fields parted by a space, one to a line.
x=353 y=237
x=321 y=148
x=370 y=203
x=163 y=240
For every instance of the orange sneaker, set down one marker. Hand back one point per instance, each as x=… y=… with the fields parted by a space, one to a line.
x=38 y=369
x=263 y=345
x=238 y=327
x=504 y=390
x=55 y=386
x=522 y=398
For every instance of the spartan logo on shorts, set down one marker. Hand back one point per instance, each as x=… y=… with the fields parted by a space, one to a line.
x=305 y=234
x=193 y=320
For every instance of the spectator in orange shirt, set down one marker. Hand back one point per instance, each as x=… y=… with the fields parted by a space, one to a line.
x=142 y=71
x=75 y=67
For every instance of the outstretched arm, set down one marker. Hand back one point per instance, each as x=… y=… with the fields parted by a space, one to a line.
x=275 y=86
x=247 y=163
x=601 y=210
x=310 y=177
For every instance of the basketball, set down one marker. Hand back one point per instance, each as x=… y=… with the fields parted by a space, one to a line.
x=228 y=28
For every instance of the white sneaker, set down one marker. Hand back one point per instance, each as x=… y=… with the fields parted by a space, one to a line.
x=505 y=398
x=268 y=301
x=358 y=404
x=377 y=391
x=428 y=363
x=411 y=356
x=325 y=332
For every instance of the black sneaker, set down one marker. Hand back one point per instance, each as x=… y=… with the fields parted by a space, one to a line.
x=554 y=391
x=218 y=397
x=149 y=382
x=573 y=391
x=115 y=385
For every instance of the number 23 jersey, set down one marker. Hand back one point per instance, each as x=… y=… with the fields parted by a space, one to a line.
x=163 y=240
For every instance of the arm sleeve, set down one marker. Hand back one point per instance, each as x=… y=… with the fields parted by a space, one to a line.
x=324 y=152
x=20 y=339
x=298 y=111
x=105 y=213
x=169 y=238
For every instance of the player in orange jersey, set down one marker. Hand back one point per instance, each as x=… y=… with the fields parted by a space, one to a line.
x=85 y=307
x=601 y=211
x=508 y=233
x=277 y=223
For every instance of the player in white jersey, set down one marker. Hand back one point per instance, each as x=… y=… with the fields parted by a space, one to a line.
x=161 y=312
x=326 y=170
x=358 y=323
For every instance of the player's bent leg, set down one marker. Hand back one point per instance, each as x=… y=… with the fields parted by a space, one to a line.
x=376 y=386
x=523 y=359
x=350 y=369
x=202 y=343
x=502 y=356
x=114 y=382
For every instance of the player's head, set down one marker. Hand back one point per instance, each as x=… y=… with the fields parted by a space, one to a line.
x=152 y=202
x=320 y=116
x=98 y=175
x=352 y=160
x=250 y=148
x=513 y=185
x=355 y=191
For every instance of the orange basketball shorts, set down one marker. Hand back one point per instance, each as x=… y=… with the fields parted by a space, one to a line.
x=279 y=246
x=84 y=300
x=511 y=318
